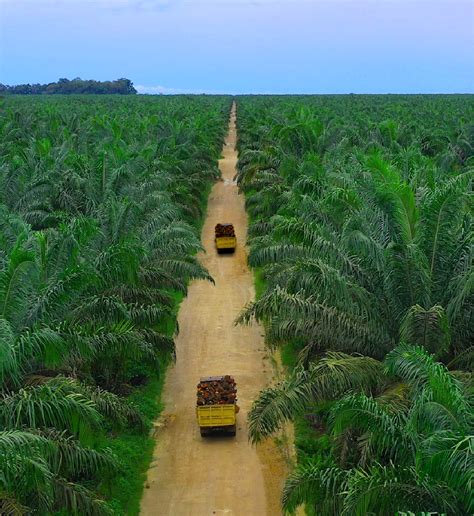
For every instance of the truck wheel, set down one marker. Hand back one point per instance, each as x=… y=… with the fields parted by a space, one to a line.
x=204 y=432
x=232 y=431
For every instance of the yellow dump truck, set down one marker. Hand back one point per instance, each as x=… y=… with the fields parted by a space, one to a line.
x=217 y=408
x=225 y=238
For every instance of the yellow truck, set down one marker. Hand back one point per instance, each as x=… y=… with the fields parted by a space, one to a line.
x=216 y=408
x=225 y=238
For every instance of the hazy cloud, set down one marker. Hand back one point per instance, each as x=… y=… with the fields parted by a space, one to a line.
x=164 y=90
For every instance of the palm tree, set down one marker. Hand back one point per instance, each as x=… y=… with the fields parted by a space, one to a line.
x=358 y=260
x=362 y=231
x=410 y=441
x=35 y=467
x=98 y=209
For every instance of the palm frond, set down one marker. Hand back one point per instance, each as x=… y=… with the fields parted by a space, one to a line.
x=331 y=377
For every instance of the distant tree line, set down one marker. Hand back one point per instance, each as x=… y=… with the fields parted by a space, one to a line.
x=76 y=86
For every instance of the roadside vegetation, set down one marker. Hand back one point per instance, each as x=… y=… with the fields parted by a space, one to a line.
x=100 y=205
x=361 y=210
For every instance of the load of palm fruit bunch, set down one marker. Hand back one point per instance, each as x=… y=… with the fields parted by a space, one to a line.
x=225 y=230
x=216 y=390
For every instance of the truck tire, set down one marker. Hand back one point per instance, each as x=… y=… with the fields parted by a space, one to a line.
x=232 y=431
x=204 y=432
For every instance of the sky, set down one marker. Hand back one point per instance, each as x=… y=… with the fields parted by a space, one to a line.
x=243 y=46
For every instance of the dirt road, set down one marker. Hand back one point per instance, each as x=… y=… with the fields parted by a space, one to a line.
x=216 y=475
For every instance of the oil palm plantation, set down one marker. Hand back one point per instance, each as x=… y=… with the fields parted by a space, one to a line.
x=402 y=443
x=362 y=231
x=358 y=259
x=99 y=200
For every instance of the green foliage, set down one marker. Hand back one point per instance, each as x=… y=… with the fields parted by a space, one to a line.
x=134 y=451
x=363 y=236
x=75 y=86
x=100 y=203
x=361 y=228
x=407 y=452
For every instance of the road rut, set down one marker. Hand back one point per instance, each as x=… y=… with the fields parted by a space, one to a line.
x=216 y=475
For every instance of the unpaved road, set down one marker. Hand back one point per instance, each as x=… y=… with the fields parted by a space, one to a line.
x=216 y=475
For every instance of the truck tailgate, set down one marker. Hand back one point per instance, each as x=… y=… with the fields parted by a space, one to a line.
x=215 y=415
x=225 y=242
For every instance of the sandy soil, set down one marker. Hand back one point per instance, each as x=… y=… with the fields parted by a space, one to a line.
x=218 y=475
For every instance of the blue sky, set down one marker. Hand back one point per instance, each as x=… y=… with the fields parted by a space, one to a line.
x=243 y=46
